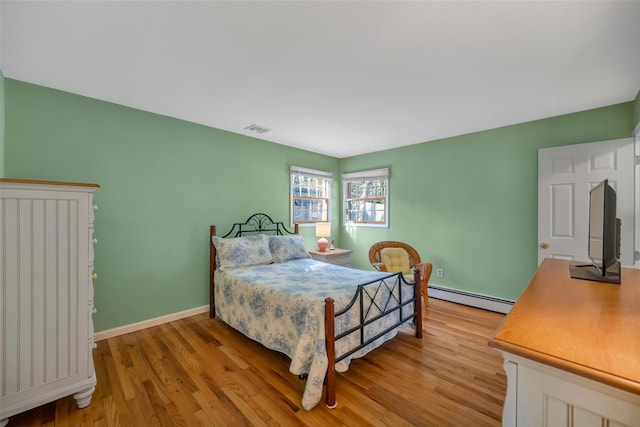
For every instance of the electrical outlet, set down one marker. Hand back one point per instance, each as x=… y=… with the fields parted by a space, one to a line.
x=440 y=272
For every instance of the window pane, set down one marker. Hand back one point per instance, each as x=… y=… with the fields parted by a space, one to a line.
x=366 y=201
x=366 y=211
x=310 y=210
x=309 y=198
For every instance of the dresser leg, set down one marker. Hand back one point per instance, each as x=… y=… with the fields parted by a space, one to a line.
x=509 y=411
x=83 y=398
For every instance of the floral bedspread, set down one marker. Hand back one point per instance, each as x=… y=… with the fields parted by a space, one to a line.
x=281 y=305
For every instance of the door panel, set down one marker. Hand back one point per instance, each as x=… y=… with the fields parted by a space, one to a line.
x=562 y=211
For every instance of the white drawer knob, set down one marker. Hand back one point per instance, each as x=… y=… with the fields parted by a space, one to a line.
x=95 y=241
x=94 y=345
x=94 y=276
x=95 y=207
x=94 y=311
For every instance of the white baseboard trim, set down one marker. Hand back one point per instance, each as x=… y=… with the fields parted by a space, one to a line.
x=121 y=330
x=484 y=302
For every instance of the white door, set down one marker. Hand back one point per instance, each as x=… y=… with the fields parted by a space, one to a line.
x=565 y=176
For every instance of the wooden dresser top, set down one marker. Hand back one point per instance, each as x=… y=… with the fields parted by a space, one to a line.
x=52 y=183
x=588 y=328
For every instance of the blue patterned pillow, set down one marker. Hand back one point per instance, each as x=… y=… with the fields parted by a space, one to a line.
x=242 y=251
x=287 y=248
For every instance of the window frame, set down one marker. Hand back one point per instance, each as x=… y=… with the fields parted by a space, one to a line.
x=367 y=176
x=295 y=171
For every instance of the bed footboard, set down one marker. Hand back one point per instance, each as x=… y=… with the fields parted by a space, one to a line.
x=365 y=297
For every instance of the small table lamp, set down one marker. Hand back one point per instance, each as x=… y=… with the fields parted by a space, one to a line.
x=323 y=230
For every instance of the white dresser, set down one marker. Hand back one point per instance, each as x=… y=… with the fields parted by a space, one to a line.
x=571 y=351
x=46 y=260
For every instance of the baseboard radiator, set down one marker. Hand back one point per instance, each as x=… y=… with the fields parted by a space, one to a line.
x=471 y=299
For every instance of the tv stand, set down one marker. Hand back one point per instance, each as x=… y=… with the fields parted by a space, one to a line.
x=590 y=272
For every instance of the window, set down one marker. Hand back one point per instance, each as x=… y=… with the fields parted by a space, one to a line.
x=310 y=195
x=366 y=198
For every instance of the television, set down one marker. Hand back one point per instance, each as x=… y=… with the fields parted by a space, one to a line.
x=603 y=239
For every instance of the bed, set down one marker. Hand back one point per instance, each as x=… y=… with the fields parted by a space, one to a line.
x=264 y=284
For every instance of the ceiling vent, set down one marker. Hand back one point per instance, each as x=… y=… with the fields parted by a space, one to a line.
x=257 y=129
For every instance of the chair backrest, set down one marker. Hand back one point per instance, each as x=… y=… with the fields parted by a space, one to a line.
x=376 y=255
x=396 y=260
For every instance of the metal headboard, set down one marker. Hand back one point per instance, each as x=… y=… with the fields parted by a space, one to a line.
x=258 y=224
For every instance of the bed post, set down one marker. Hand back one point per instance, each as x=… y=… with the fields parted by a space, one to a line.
x=330 y=336
x=212 y=267
x=417 y=302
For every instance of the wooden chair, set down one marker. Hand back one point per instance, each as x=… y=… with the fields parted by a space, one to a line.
x=393 y=253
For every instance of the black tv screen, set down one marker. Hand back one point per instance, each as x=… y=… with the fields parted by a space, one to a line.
x=603 y=233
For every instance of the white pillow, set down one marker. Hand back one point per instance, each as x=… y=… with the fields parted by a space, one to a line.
x=242 y=251
x=287 y=248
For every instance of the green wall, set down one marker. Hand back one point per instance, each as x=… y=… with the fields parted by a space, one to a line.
x=163 y=183
x=468 y=204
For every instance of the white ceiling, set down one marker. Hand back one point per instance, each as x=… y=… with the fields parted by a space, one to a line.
x=338 y=78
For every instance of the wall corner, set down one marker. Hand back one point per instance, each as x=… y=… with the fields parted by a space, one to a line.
x=2 y=127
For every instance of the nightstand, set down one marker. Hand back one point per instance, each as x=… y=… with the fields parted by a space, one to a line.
x=336 y=256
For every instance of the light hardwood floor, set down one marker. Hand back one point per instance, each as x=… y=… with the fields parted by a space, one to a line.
x=197 y=371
